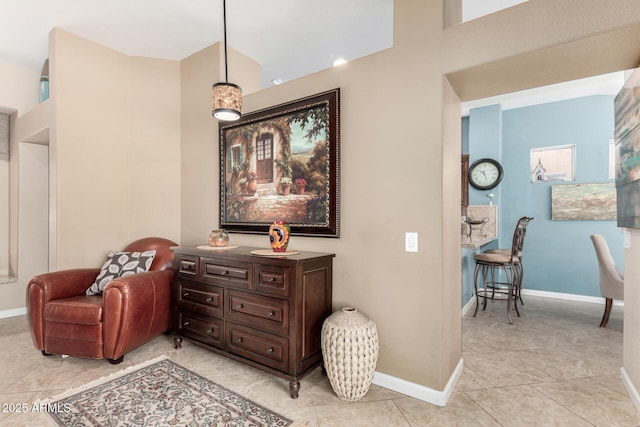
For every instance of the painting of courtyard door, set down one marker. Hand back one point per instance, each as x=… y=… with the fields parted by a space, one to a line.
x=282 y=163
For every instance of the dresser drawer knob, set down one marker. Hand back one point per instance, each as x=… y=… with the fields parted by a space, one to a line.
x=239 y=340
x=210 y=330
x=186 y=323
x=270 y=350
x=239 y=306
x=224 y=272
x=271 y=313
x=209 y=299
x=270 y=279
x=186 y=294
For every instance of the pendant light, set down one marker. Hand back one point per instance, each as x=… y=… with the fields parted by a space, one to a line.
x=226 y=97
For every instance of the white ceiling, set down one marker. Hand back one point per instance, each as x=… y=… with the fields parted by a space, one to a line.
x=606 y=84
x=472 y=9
x=289 y=38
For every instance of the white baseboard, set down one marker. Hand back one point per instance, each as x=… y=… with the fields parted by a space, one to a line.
x=13 y=312
x=569 y=297
x=468 y=306
x=631 y=389
x=418 y=391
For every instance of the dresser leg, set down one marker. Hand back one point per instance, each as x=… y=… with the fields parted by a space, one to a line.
x=294 y=387
x=177 y=342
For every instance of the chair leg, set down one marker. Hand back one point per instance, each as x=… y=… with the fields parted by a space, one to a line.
x=475 y=285
x=513 y=287
x=493 y=281
x=116 y=361
x=607 y=312
x=520 y=277
x=512 y=292
x=509 y=301
x=485 y=284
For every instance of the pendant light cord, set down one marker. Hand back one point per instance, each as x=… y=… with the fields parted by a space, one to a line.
x=224 y=19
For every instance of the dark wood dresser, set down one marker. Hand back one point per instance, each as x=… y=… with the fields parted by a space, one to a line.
x=265 y=311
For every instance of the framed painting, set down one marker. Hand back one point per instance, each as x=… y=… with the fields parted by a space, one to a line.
x=584 y=202
x=629 y=205
x=282 y=163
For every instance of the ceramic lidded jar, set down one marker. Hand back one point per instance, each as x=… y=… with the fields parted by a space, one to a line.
x=279 y=235
x=219 y=238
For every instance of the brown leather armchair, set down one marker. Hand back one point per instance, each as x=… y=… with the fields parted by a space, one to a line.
x=131 y=311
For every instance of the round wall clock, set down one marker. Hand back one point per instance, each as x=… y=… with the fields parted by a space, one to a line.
x=484 y=174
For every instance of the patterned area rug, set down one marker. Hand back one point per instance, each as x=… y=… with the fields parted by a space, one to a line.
x=158 y=393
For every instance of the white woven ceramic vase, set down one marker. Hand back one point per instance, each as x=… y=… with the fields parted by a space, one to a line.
x=350 y=352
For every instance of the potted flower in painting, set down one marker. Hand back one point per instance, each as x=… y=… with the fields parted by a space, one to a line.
x=300 y=184
x=285 y=185
x=252 y=183
x=243 y=185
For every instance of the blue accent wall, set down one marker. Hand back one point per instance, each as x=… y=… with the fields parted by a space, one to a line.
x=485 y=140
x=465 y=135
x=558 y=255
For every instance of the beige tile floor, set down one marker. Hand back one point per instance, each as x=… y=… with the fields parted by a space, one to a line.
x=552 y=367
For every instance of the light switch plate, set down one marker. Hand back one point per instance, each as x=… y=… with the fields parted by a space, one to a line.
x=411 y=242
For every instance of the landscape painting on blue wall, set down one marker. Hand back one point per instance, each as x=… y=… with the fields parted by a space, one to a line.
x=627 y=140
x=583 y=202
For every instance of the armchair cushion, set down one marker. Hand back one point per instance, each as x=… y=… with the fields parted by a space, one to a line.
x=121 y=264
x=85 y=310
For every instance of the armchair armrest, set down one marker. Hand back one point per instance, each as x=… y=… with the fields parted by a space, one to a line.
x=64 y=284
x=136 y=308
x=55 y=285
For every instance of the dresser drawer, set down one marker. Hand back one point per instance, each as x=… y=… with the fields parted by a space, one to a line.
x=261 y=347
x=226 y=273
x=188 y=266
x=209 y=330
x=273 y=280
x=266 y=313
x=204 y=299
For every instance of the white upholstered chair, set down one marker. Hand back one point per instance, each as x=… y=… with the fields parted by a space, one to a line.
x=611 y=280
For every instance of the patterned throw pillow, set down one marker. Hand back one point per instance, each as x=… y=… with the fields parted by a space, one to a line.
x=121 y=264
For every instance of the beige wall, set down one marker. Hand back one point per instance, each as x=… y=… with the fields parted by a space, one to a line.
x=115 y=150
x=199 y=147
x=4 y=217
x=199 y=135
x=631 y=348
x=19 y=87
x=112 y=128
x=541 y=42
x=33 y=210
